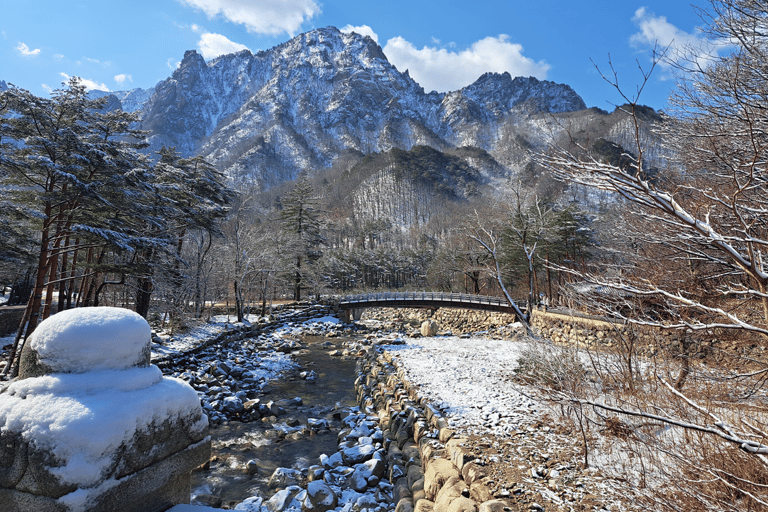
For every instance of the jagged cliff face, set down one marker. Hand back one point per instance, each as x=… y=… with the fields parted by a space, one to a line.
x=262 y=118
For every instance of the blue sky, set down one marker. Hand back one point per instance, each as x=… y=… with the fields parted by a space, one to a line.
x=123 y=44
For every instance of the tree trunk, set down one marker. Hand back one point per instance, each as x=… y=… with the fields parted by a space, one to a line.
x=72 y=272
x=91 y=291
x=238 y=302
x=143 y=296
x=549 y=282
x=53 y=264
x=36 y=300
x=297 y=281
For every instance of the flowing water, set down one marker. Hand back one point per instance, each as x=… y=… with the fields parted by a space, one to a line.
x=235 y=443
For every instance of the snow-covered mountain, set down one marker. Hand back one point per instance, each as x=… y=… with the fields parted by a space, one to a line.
x=263 y=118
x=129 y=101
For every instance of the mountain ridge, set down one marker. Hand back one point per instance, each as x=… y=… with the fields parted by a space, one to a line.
x=265 y=117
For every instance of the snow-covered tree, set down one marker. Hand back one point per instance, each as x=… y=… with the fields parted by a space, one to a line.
x=77 y=178
x=184 y=194
x=64 y=153
x=300 y=218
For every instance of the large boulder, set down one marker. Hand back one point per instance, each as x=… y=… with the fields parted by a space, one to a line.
x=429 y=328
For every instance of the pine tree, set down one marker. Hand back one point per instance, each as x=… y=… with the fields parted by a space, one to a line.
x=65 y=152
x=187 y=194
x=76 y=177
x=300 y=218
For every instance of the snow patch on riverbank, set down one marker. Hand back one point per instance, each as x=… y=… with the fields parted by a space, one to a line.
x=469 y=380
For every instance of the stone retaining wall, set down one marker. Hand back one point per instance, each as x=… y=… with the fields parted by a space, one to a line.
x=592 y=331
x=429 y=467
x=458 y=321
x=560 y=327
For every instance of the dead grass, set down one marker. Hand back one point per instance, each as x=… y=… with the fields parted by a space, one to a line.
x=666 y=467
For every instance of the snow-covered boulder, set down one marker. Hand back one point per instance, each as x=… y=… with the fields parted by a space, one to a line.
x=91 y=425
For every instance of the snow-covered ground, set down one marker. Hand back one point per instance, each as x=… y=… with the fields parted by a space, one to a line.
x=469 y=380
x=190 y=338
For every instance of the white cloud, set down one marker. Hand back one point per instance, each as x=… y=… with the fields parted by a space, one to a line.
x=26 y=52
x=122 y=78
x=89 y=84
x=363 y=30
x=172 y=63
x=272 y=17
x=442 y=70
x=213 y=45
x=658 y=33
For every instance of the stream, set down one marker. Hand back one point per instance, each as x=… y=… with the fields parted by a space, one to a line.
x=245 y=455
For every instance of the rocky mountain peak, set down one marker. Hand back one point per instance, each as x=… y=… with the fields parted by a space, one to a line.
x=500 y=92
x=192 y=58
x=265 y=117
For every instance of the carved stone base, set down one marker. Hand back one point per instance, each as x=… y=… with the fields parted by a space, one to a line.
x=153 y=489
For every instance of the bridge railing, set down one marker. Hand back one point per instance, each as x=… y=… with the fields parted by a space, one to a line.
x=424 y=296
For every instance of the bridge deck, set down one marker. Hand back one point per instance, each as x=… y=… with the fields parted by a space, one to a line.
x=425 y=299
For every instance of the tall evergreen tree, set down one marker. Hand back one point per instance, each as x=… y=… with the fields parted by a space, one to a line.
x=300 y=218
x=64 y=153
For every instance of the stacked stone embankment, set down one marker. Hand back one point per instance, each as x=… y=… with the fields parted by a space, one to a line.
x=560 y=327
x=429 y=468
x=457 y=321
x=591 y=331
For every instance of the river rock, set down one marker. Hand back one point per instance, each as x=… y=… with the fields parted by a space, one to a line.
x=331 y=462
x=315 y=473
x=232 y=405
x=283 y=499
x=366 y=501
x=358 y=481
x=320 y=497
x=284 y=477
x=357 y=454
x=316 y=425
